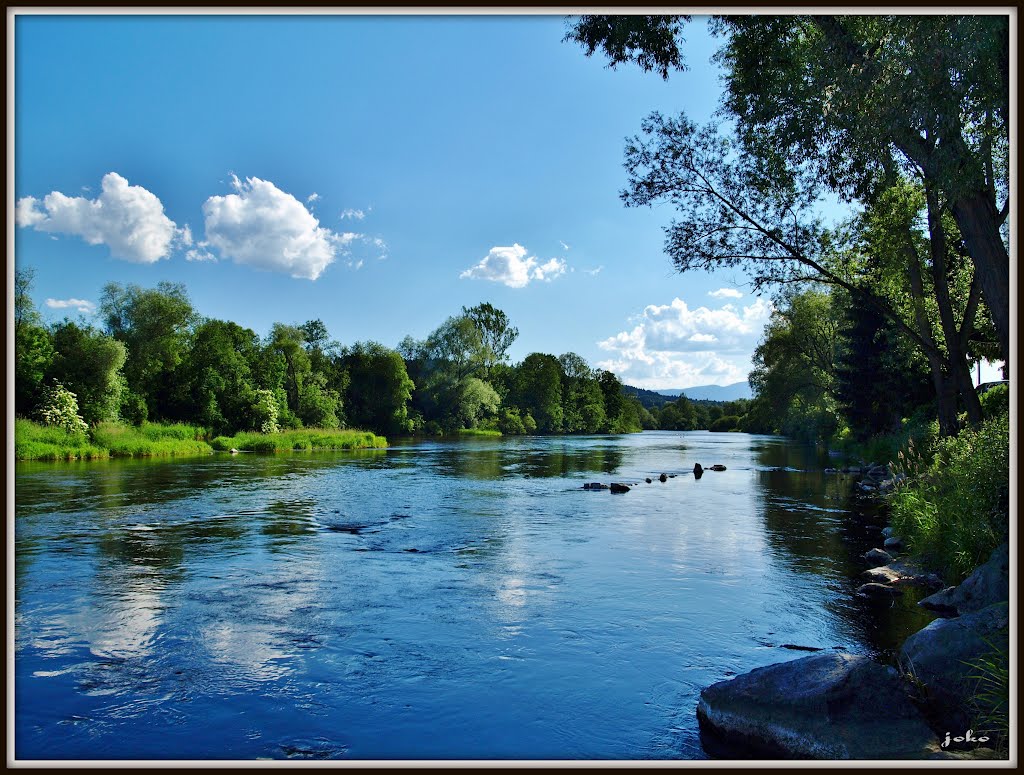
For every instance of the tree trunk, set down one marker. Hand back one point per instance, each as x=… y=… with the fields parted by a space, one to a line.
x=960 y=370
x=979 y=226
x=945 y=392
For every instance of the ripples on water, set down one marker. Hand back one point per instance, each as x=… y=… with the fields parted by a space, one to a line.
x=461 y=599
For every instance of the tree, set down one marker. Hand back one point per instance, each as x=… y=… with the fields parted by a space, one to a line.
x=288 y=342
x=88 y=363
x=582 y=399
x=222 y=366
x=538 y=391
x=33 y=346
x=837 y=93
x=379 y=389
x=495 y=332
x=155 y=325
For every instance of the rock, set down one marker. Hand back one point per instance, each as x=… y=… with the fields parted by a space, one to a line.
x=717 y=467
x=878 y=592
x=887 y=532
x=826 y=706
x=595 y=486
x=698 y=470
x=939 y=655
x=894 y=542
x=648 y=480
x=233 y=451
x=663 y=478
x=877 y=557
x=941 y=602
x=616 y=487
x=903 y=573
x=988 y=584
x=831 y=471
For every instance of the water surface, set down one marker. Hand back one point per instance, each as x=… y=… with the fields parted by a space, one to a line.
x=453 y=599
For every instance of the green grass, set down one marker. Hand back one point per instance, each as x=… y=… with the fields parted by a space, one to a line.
x=478 y=432
x=953 y=509
x=33 y=441
x=150 y=440
x=304 y=439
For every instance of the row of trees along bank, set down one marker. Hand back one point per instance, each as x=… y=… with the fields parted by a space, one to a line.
x=153 y=357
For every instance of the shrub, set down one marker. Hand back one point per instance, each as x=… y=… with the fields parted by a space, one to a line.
x=995 y=401
x=59 y=407
x=953 y=508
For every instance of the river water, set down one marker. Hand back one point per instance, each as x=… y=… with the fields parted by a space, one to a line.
x=437 y=600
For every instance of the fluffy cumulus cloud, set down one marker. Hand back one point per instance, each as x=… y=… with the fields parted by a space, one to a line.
x=262 y=226
x=673 y=346
x=81 y=305
x=512 y=266
x=128 y=219
x=726 y=293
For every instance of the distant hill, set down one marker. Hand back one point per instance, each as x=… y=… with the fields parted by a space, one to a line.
x=731 y=392
x=647 y=398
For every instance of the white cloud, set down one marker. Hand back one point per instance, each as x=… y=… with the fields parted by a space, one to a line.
x=265 y=227
x=357 y=215
x=594 y=272
x=512 y=267
x=726 y=293
x=672 y=346
x=128 y=219
x=564 y=246
x=312 y=197
x=81 y=305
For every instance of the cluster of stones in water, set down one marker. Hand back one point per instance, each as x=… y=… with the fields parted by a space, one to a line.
x=698 y=471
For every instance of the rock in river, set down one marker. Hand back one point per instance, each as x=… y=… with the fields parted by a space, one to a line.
x=826 y=706
x=616 y=487
x=877 y=557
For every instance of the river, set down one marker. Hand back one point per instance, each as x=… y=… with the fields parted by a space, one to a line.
x=437 y=600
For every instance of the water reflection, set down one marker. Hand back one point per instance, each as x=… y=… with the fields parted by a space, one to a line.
x=437 y=600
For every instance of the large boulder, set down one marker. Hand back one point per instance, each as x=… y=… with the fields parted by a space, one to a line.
x=826 y=706
x=988 y=584
x=877 y=557
x=940 y=656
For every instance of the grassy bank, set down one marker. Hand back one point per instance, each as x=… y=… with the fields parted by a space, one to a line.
x=953 y=509
x=46 y=442
x=33 y=441
x=150 y=439
x=300 y=440
x=489 y=432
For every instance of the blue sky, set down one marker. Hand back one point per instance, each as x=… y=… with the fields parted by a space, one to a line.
x=378 y=173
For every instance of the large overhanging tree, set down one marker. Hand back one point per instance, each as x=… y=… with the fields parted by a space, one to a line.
x=844 y=94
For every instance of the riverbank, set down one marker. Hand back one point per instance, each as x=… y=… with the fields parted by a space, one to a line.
x=947 y=696
x=33 y=441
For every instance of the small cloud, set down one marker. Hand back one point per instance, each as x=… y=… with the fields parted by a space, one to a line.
x=354 y=214
x=86 y=307
x=593 y=272
x=564 y=246
x=128 y=219
x=513 y=268
x=312 y=197
x=726 y=293
x=200 y=253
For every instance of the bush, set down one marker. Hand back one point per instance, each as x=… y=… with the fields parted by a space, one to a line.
x=953 y=509
x=59 y=408
x=995 y=401
x=726 y=423
x=133 y=408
